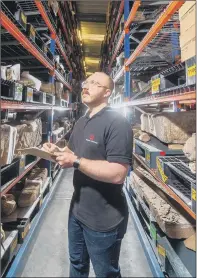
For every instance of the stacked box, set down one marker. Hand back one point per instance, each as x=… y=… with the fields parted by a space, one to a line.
x=187 y=30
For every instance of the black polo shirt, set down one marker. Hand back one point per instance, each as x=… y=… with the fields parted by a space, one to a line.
x=106 y=136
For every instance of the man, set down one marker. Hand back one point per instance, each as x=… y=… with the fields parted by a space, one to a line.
x=100 y=150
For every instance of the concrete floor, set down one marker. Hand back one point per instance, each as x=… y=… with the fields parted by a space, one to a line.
x=49 y=255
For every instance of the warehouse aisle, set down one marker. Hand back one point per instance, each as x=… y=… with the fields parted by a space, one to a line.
x=49 y=255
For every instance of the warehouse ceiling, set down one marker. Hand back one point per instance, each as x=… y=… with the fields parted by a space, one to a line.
x=92 y=18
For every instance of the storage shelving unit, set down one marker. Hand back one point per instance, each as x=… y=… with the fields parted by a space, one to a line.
x=152 y=50
x=18 y=47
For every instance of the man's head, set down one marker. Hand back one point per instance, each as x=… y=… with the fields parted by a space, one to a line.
x=97 y=89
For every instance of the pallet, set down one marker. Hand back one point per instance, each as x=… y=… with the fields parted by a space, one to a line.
x=10 y=172
x=8 y=250
x=175 y=172
x=151 y=150
x=172 y=261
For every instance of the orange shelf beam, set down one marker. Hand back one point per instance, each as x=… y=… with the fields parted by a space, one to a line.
x=45 y=16
x=52 y=30
x=163 y=19
x=187 y=96
x=169 y=190
x=131 y=17
x=18 y=35
x=6 y=104
x=17 y=179
x=154 y=100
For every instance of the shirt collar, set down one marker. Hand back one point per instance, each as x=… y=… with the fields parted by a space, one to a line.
x=97 y=114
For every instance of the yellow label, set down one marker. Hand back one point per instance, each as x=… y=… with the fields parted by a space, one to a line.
x=32 y=31
x=155 y=85
x=161 y=250
x=30 y=94
x=191 y=71
x=22 y=163
x=14 y=244
x=41 y=201
x=25 y=231
x=163 y=176
x=193 y=194
x=24 y=18
x=147 y=156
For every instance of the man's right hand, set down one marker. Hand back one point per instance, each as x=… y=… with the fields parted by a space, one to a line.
x=51 y=148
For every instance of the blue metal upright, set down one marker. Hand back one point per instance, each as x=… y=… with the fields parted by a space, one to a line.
x=50 y=112
x=127 y=92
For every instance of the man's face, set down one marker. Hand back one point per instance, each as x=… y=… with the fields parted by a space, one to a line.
x=94 y=89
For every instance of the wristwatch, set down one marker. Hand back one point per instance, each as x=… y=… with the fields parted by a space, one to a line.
x=76 y=164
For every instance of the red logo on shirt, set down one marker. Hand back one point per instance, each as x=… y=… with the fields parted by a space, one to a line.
x=92 y=137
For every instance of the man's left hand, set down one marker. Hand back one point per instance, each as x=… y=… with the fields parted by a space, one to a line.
x=65 y=159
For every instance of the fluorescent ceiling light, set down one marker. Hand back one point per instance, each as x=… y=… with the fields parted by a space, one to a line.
x=92 y=61
x=79 y=34
x=93 y=37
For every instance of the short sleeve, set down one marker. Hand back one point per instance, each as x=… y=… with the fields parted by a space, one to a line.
x=119 y=142
x=71 y=144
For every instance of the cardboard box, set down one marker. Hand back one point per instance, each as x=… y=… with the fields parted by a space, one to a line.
x=188 y=20
x=186 y=7
x=189 y=50
x=188 y=36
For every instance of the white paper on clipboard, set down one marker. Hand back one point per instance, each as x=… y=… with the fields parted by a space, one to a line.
x=38 y=152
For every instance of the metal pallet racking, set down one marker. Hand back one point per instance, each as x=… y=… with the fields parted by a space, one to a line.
x=150 y=56
x=17 y=46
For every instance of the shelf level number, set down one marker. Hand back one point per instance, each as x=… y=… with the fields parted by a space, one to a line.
x=193 y=194
x=155 y=85
x=161 y=250
x=159 y=167
x=191 y=71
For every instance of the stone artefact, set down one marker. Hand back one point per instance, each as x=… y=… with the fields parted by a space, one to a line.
x=144 y=137
x=29 y=134
x=8 y=143
x=190 y=148
x=170 y=221
x=8 y=204
x=33 y=187
x=170 y=127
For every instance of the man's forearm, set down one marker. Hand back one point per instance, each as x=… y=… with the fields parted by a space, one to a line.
x=103 y=170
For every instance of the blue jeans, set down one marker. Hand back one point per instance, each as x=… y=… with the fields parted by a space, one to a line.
x=103 y=248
